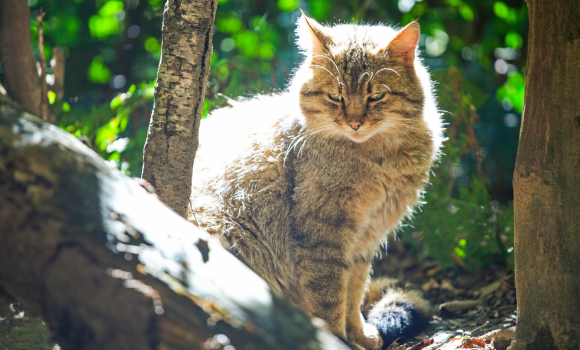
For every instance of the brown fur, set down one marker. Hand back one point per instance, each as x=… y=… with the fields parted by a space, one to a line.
x=302 y=197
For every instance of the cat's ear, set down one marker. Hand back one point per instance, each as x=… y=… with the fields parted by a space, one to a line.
x=312 y=37
x=402 y=47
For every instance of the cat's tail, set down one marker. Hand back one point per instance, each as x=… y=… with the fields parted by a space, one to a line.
x=396 y=311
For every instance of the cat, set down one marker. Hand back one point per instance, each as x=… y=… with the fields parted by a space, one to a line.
x=304 y=185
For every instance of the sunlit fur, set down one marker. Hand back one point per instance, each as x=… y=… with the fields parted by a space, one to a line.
x=302 y=197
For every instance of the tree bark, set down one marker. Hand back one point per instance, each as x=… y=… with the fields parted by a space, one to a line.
x=58 y=70
x=108 y=266
x=21 y=77
x=179 y=93
x=547 y=182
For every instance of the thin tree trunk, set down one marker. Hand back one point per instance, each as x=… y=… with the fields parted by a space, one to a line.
x=58 y=69
x=108 y=266
x=547 y=183
x=44 y=109
x=183 y=73
x=21 y=77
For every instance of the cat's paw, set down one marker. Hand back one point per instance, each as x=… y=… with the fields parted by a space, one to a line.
x=370 y=339
x=369 y=343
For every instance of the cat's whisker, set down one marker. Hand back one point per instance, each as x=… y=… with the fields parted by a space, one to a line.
x=319 y=130
x=330 y=59
x=387 y=69
x=440 y=110
x=304 y=139
x=292 y=145
x=337 y=80
x=387 y=87
x=302 y=147
x=362 y=75
x=371 y=78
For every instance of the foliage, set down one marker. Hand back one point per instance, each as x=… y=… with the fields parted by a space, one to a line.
x=476 y=51
x=462 y=224
x=114 y=129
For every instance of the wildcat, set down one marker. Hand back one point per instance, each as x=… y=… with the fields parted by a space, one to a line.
x=305 y=185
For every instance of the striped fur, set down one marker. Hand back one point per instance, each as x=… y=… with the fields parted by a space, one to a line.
x=303 y=198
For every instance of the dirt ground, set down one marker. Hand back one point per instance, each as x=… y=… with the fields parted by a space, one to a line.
x=461 y=301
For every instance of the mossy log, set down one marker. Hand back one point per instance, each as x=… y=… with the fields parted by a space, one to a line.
x=108 y=266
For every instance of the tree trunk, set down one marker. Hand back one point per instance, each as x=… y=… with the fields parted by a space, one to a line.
x=22 y=82
x=108 y=266
x=547 y=182
x=183 y=73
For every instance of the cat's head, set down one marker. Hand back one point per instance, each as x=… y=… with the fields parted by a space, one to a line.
x=359 y=81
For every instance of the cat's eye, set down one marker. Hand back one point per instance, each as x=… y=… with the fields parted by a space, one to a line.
x=334 y=97
x=377 y=96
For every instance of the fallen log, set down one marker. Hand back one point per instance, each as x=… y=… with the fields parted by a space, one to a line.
x=108 y=266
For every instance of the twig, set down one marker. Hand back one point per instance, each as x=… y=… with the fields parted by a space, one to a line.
x=44 y=112
x=57 y=63
x=480 y=327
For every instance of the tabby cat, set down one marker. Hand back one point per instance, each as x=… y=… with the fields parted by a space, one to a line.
x=305 y=185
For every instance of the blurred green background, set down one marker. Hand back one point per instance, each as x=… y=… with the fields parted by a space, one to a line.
x=476 y=51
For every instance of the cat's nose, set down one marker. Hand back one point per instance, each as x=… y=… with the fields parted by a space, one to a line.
x=355 y=125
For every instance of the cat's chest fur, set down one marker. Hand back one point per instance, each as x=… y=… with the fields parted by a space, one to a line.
x=363 y=189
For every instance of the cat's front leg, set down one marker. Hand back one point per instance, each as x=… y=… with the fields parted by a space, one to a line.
x=357 y=329
x=323 y=277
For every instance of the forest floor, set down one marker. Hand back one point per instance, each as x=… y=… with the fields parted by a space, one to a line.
x=462 y=301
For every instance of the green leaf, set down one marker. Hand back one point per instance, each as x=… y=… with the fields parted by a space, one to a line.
x=319 y=8
x=466 y=13
x=65 y=107
x=229 y=25
x=460 y=253
x=123 y=121
x=247 y=42
x=504 y=12
x=98 y=72
x=116 y=102
x=152 y=44
x=102 y=27
x=419 y=9
x=266 y=51
x=513 y=40
x=288 y=5
x=514 y=90
x=107 y=134
x=110 y=7
x=104 y=24
x=51 y=97
x=501 y=10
